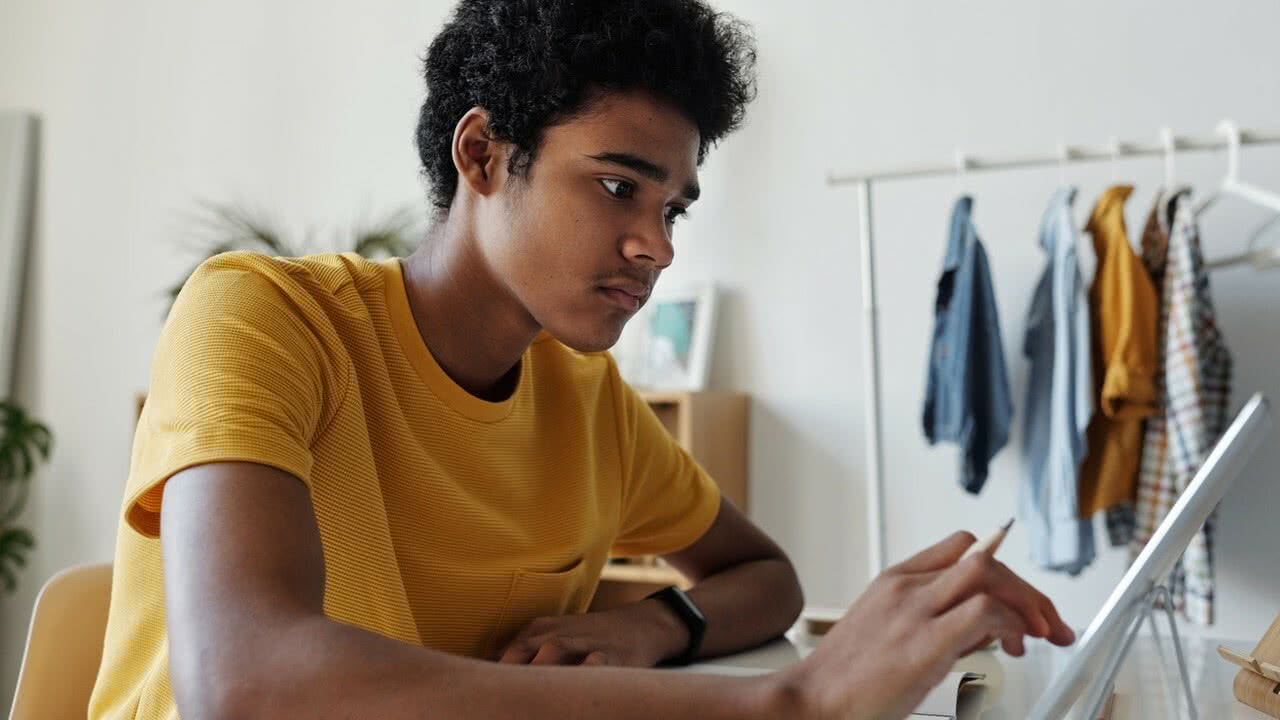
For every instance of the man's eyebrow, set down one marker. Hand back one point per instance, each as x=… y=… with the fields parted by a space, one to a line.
x=648 y=169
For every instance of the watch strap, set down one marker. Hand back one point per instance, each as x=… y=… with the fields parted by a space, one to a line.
x=694 y=621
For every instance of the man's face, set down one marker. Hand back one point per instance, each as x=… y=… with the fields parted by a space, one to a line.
x=582 y=238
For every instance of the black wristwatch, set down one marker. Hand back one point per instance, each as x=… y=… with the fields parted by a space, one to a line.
x=690 y=615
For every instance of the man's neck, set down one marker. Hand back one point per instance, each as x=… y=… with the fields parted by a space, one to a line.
x=475 y=329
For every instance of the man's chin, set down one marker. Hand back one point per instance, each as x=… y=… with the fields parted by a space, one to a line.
x=587 y=339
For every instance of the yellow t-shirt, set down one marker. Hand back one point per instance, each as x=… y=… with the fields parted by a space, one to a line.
x=447 y=521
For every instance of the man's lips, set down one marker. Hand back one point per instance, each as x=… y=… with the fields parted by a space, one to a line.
x=623 y=298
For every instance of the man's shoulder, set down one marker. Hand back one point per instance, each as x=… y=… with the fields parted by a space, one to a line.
x=320 y=273
x=314 y=296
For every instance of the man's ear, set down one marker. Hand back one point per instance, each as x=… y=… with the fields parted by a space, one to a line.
x=481 y=161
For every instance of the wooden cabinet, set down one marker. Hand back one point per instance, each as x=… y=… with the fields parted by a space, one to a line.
x=712 y=427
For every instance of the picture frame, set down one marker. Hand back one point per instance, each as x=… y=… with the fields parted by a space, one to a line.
x=672 y=347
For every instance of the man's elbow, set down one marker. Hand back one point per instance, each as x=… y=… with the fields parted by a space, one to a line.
x=208 y=683
x=793 y=596
x=215 y=695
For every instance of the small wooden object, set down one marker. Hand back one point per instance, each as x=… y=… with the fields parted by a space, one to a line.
x=818 y=621
x=1258 y=682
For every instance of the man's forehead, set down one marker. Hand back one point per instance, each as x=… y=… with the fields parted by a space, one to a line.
x=635 y=124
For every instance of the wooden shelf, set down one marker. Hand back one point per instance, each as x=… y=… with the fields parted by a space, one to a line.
x=712 y=427
x=622 y=584
x=663 y=575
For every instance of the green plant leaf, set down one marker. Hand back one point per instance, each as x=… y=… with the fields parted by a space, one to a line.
x=42 y=438
x=25 y=463
x=15 y=543
x=15 y=501
x=25 y=442
x=242 y=229
x=390 y=236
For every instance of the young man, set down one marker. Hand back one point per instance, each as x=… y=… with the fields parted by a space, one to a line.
x=387 y=489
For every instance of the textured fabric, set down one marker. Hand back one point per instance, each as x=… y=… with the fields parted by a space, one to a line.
x=967 y=398
x=446 y=521
x=1194 y=385
x=1125 y=311
x=1120 y=518
x=1059 y=399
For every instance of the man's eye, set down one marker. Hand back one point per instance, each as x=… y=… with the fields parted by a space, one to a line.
x=620 y=189
x=676 y=213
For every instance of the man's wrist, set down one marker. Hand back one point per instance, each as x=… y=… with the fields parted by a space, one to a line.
x=672 y=636
x=779 y=694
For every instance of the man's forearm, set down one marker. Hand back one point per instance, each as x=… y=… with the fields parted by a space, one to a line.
x=319 y=668
x=747 y=605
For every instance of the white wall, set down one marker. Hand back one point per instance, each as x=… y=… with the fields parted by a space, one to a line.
x=307 y=110
x=865 y=86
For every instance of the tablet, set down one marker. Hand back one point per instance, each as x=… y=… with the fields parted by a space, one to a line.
x=1248 y=431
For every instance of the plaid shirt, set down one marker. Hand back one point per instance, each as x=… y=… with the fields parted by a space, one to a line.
x=1195 y=387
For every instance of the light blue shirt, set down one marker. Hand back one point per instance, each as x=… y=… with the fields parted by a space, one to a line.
x=1059 y=399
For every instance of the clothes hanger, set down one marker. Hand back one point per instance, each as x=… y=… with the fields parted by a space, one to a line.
x=1266 y=258
x=961 y=178
x=1231 y=184
x=1116 y=149
x=1170 y=144
x=1261 y=259
x=1086 y=259
x=1064 y=156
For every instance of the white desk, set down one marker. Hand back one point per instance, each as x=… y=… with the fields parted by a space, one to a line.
x=1143 y=690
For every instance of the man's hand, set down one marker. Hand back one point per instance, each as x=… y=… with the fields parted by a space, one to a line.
x=641 y=634
x=906 y=631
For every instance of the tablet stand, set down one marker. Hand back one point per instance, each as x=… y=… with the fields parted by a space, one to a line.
x=1158 y=598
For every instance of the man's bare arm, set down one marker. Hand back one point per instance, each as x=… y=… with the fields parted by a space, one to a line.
x=744 y=584
x=746 y=587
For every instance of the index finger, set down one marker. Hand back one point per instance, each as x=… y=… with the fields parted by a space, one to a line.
x=938 y=556
x=982 y=574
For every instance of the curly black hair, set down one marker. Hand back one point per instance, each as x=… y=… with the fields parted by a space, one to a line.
x=533 y=63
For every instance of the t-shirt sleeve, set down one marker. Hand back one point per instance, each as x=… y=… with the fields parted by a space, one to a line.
x=668 y=501
x=239 y=374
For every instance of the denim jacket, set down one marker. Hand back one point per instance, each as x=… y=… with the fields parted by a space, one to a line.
x=1059 y=400
x=967 y=400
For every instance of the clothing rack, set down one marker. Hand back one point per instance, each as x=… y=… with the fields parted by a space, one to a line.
x=1232 y=138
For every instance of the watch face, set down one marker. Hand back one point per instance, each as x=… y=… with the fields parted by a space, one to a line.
x=688 y=603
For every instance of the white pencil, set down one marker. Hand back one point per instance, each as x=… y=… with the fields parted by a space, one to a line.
x=991 y=544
